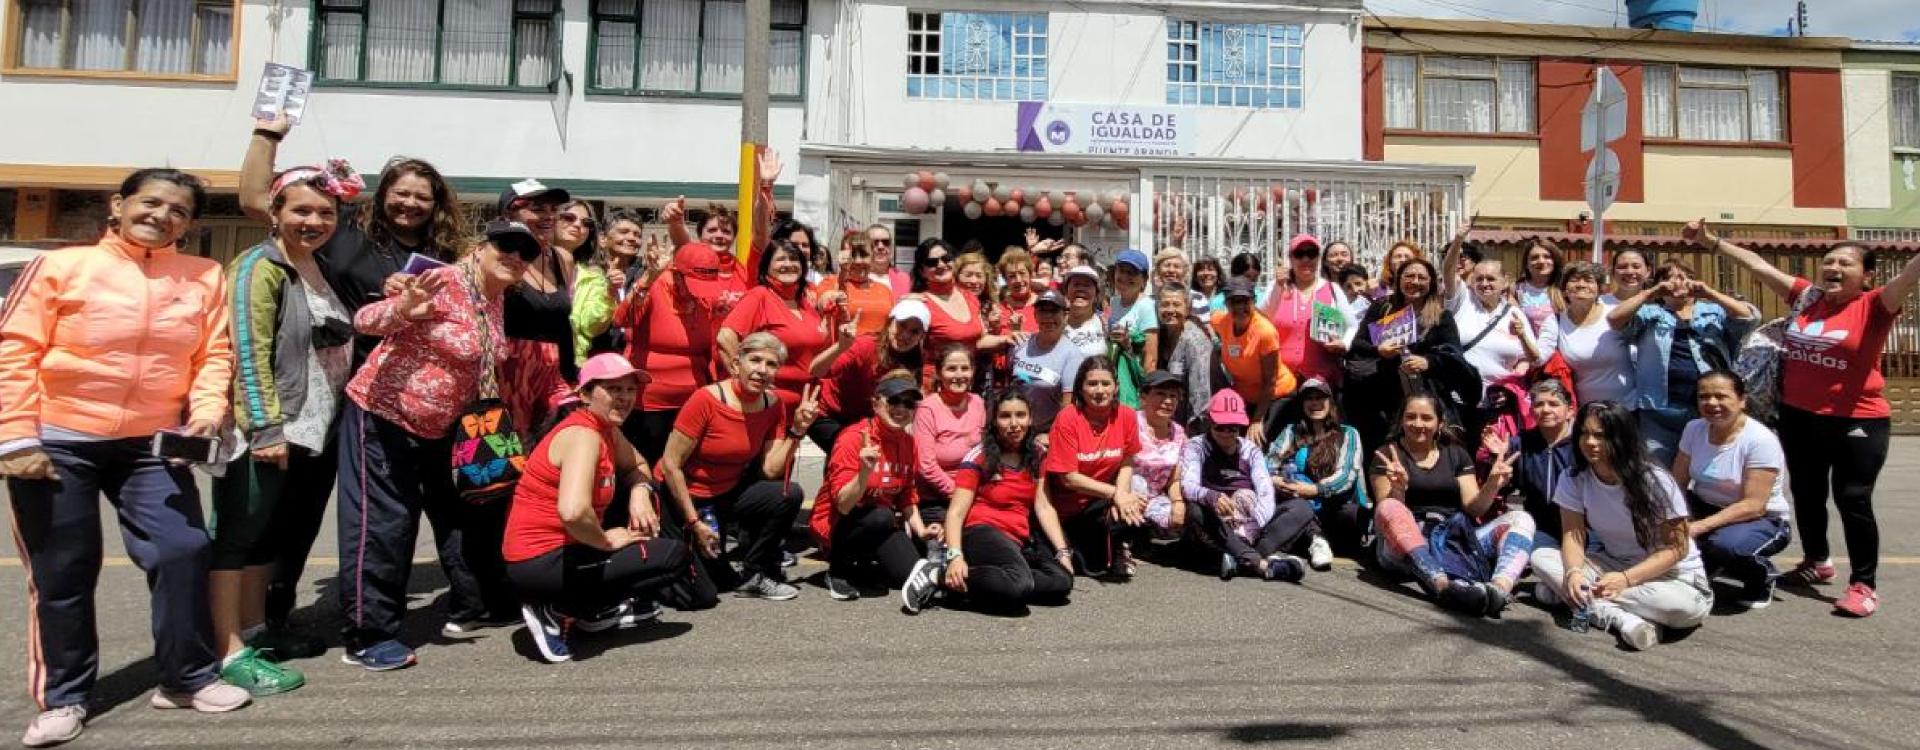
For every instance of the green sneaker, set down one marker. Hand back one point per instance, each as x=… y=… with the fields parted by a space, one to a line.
x=281 y=645
x=259 y=676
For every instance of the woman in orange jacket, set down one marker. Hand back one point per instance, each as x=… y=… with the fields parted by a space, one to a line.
x=102 y=347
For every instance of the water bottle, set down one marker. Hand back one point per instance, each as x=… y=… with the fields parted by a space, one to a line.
x=1582 y=620
x=713 y=522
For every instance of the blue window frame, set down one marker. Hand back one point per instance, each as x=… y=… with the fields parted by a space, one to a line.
x=985 y=56
x=1255 y=65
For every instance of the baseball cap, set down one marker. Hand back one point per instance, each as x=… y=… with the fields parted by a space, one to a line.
x=1238 y=287
x=1315 y=384
x=912 y=309
x=1133 y=258
x=892 y=387
x=608 y=366
x=1227 y=408
x=1086 y=271
x=1050 y=297
x=699 y=266
x=513 y=237
x=1303 y=240
x=1159 y=378
x=529 y=190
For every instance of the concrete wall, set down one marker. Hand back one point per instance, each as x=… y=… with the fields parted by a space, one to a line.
x=1883 y=190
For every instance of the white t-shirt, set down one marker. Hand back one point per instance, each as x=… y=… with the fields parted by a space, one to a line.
x=1602 y=365
x=1610 y=524
x=1090 y=338
x=1499 y=353
x=1045 y=373
x=1719 y=471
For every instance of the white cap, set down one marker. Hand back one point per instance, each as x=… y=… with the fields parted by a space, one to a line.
x=912 y=309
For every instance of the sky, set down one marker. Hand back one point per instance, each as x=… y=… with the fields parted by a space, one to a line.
x=1884 y=20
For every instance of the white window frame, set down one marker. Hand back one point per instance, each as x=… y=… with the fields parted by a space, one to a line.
x=1422 y=75
x=926 y=80
x=1677 y=87
x=1905 y=112
x=1188 y=43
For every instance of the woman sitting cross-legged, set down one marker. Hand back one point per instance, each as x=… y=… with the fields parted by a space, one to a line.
x=567 y=568
x=1431 y=513
x=1223 y=476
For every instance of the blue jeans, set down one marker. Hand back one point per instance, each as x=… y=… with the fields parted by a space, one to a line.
x=58 y=521
x=1660 y=431
x=1744 y=551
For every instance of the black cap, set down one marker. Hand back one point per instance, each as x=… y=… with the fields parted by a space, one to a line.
x=513 y=237
x=531 y=190
x=1051 y=297
x=1159 y=378
x=1238 y=287
x=892 y=387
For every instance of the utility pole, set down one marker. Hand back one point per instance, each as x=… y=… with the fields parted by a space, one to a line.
x=753 y=119
x=1800 y=19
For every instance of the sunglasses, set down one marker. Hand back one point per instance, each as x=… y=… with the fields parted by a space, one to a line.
x=567 y=218
x=904 y=401
x=940 y=260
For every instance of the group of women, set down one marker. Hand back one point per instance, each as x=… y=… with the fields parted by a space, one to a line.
x=1456 y=429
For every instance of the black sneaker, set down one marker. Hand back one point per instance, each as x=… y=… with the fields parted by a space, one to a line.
x=1228 y=567
x=627 y=614
x=920 y=587
x=840 y=589
x=1286 y=569
x=1465 y=598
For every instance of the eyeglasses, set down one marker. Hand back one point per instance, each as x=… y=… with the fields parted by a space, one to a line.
x=880 y=241
x=566 y=218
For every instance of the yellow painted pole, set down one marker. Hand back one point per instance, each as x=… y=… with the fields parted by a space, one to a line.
x=744 y=238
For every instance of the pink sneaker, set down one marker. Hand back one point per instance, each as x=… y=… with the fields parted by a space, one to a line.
x=1859 y=601
x=1809 y=573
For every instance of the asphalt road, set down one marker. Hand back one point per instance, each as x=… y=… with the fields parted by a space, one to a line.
x=1171 y=659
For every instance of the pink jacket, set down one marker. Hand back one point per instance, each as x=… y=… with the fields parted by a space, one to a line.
x=114 y=340
x=425 y=372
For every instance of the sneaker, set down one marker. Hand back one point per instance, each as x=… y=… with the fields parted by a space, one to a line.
x=1755 y=597
x=1809 y=573
x=55 y=726
x=279 y=644
x=1123 y=565
x=384 y=656
x=1637 y=633
x=1859 y=601
x=620 y=616
x=760 y=586
x=1229 y=567
x=469 y=628
x=1286 y=568
x=919 y=589
x=216 y=697
x=1463 y=597
x=1497 y=601
x=843 y=590
x=252 y=672
x=1320 y=553
x=549 y=631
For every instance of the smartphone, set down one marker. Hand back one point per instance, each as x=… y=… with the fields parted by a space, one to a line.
x=183 y=447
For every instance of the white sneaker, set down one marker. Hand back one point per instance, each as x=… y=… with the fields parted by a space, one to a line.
x=1634 y=631
x=1320 y=553
x=217 y=697
x=56 y=726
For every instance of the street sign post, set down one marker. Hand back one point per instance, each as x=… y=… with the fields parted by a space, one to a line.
x=1602 y=121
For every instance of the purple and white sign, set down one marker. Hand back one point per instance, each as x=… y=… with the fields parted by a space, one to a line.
x=1122 y=130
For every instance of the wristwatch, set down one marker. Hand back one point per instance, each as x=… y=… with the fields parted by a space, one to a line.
x=954 y=553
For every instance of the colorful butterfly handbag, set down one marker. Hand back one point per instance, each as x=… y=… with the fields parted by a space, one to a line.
x=488 y=453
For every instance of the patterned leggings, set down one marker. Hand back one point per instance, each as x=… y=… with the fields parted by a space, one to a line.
x=1456 y=547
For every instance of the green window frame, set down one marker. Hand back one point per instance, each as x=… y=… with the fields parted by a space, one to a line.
x=690 y=48
x=460 y=55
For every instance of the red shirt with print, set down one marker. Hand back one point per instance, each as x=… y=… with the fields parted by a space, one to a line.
x=1004 y=501
x=1830 y=362
x=889 y=486
x=1074 y=445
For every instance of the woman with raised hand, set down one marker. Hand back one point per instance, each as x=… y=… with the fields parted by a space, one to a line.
x=1319 y=460
x=1602 y=363
x=294 y=357
x=1429 y=515
x=846 y=394
x=101 y=348
x=1420 y=353
x=800 y=236
x=441 y=339
x=1223 y=478
x=993 y=559
x=1080 y=287
x=814 y=329
x=1090 y=470
x=1019 y=292
x=1297 y=302
x=1680 y=327
x=869 y=298
x=669 y=319
x=726 y=466
x=1733 y=468
x=1498 y=339
x=565 y=565
x=1625 y=557
x=867 y=515
x=1835 y=420
x=945 y=428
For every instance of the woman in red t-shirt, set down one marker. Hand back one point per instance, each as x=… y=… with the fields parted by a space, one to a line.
x=955 y=312
x=846 y=394
x=867 y=511
x=815 y=329
x=669 y=324
x=562 y=561
x=726 y=464
x=1835 y=422
x=1090 y=472
x=992 y=557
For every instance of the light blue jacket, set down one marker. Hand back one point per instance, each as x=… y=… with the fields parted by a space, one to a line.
x=1717 y=337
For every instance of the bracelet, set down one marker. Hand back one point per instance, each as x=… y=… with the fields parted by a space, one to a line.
x=268 y=134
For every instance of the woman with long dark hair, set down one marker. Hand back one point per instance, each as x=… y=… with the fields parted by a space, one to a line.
x=1208 y=284
x=814 y=328
x=846 y=393
x=1381 y=374
x=1680 y=327
x=1319 y=459
x=1091 y=474
x=1625 y=555
x=1538 y=291
x=1630 y=268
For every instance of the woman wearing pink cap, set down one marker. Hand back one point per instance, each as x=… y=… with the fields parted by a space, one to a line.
x=1223 y=476
x=669 y=324
x=561 y=560
x=1310 y=314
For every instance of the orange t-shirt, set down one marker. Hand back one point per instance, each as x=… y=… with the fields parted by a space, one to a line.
x=1241 y=355
x=873 y=300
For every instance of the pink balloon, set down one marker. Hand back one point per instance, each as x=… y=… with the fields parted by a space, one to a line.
x=992 y=206
x=915 y=200
x=1043 y=208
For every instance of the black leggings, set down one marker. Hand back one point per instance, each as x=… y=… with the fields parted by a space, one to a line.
x=1005 y=574
x=1097 y=538
x=582 y=581
x=869 y=533
x=759 y=514
x=824 y=431
x=1292 y=525
x=1847 y=455
x=648 y=431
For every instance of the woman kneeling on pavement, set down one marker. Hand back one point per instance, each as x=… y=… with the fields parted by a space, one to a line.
x=1431 y=510
x=725 y=466
x=1224 y=478
x=992 y=558
x=867 y=514
x=566 y=566
x=75 y=422
x=1640 y=571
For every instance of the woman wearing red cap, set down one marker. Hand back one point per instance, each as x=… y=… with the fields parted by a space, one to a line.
x=1089 y=466
x=1310 y=314
x=784 y=306
x=669 y=322
x=1223 y=477
x=867 y=513
x=561 y=559
x=726 y=461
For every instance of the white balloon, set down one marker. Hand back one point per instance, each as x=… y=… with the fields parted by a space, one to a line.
x=972 y=210
x=1094 y=213
x=912 y=181
x=1026 y=214
x=981 y=191
x=937 y=197
x=1057 y=197
x=940 y=180
x=1003 y=192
